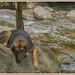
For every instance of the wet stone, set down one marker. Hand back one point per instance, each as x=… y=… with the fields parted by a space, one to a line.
x=65 y=58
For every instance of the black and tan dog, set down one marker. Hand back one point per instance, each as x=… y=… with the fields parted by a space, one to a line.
x=20 y=43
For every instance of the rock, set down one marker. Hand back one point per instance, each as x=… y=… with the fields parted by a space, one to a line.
x=48 y=8
x=5 y=58
x=71 y=13
x=42 y=14
x=8 y=63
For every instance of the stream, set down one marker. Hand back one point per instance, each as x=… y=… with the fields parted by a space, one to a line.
x=57 y=35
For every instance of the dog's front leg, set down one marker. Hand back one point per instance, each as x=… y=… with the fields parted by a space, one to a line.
x=35 y=57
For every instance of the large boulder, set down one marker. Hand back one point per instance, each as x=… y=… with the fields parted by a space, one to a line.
x=42 y=14
x=8 y=63
x=71 y=13
x=48 y=8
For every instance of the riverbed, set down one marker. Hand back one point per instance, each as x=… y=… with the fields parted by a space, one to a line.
x=57 y=35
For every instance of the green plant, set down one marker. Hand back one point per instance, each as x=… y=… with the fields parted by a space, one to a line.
x=2 y=4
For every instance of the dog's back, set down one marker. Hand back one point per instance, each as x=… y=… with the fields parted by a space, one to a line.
x=19 y=35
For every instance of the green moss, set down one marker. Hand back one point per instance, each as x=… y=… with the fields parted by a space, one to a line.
x=54 y=58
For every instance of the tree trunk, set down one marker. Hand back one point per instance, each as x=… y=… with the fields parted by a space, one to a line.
x=19 y=18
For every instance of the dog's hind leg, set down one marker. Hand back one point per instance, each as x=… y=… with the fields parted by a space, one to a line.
x=34 y=49
x=4 y=37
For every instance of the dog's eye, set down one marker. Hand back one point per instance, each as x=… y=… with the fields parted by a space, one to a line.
x=15 y=51
x=25 y=47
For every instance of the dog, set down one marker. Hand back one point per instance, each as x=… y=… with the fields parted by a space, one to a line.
x=20 y=43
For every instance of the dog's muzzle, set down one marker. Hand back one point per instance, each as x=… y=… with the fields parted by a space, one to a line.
x=20 y=57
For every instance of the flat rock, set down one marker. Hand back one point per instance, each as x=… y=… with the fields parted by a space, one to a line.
x=48 y=8
x=8 y=63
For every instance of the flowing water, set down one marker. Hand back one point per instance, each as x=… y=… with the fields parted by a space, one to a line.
x=57 y=35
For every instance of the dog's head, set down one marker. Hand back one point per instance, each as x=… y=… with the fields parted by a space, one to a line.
x=20 y=48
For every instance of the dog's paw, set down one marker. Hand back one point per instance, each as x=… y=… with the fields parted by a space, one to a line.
x=36 y=65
